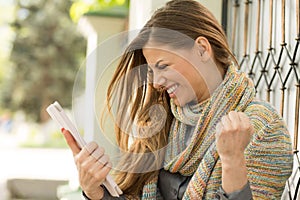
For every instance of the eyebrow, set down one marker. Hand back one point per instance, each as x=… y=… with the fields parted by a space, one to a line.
x=157 y=63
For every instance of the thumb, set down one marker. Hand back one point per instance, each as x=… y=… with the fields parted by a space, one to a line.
x=71 y=141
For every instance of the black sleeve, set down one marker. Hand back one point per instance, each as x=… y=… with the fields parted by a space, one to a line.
x=243 y=194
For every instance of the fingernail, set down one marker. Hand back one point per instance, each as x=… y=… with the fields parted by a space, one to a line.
x=62 y=129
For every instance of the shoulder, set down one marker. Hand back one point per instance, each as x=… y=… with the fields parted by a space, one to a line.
x=263 y=115
x=270 y=128
x=269 y=155
x=262 y=107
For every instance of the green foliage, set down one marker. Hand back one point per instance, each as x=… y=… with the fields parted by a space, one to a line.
x=47 y=51
x=81 y=7
x=6 y=35
x=56 y=140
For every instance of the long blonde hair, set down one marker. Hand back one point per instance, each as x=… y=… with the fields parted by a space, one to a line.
x=132 y=91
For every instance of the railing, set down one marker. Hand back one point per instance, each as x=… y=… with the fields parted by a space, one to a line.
x=265 y=37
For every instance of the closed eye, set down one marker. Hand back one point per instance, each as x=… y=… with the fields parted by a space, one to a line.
x=161 y=66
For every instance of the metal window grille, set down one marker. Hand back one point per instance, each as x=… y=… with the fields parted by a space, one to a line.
x=265 y=35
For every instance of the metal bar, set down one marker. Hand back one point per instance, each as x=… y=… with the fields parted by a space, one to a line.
x=283 y=21
x=298 y=17
x=297 y=158
x=246 y=27
x=234 y=29
x=224 y=15
x=258 y=26
x=296 y=126
x=271 y=24
x=268 y=95
x=296 y=48
x=298 y=182
x=289 y=189
x=297 y=189
x=282 y=100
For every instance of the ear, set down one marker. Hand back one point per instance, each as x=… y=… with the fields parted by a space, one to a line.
x=204 y=48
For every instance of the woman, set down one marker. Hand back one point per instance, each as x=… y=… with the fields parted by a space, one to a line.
x=210 y=135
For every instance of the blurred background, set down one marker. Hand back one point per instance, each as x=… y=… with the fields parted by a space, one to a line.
x=41 y=50
x=50 y=47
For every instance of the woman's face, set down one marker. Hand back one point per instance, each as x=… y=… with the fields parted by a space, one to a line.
x=178 y=72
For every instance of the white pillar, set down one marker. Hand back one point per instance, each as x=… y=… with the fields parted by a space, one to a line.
x=87 y=29
x=141 y=11
x=91 y=68
x=96 y=29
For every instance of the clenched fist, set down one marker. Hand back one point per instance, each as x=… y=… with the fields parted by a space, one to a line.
x=233 y=134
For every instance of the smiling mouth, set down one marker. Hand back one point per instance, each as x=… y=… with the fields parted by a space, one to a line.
x=172 y=89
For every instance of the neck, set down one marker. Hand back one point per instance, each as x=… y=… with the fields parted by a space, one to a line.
x=213 y=76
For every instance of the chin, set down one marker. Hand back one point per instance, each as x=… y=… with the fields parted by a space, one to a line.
x=179 y=103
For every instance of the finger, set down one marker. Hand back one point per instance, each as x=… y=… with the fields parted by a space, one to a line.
x=87 y=159
x=244 y=118
x=84 y=167
x=91 y=147
x=86 y=164
x=247 y=122
x=71 y=141
x=98 y=153
x=86 y=152
x=102 y=173
x=98 y=173
x=234 y=119
x=106 y=169
x=104 y=159
x=226 y=123
x=97 y=166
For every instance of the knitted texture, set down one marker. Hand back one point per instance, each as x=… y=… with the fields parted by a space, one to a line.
x=268 y=156
x=200 y=157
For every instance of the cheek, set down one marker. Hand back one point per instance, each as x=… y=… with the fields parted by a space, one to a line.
x=192 y=80
x=186 y=93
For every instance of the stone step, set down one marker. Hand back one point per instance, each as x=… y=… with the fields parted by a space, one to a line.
x=34 y=189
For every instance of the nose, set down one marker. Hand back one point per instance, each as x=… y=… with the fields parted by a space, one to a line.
x=158 y=80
